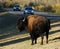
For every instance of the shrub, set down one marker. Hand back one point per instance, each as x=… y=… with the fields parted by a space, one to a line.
x=57 y=8
x=44 y=8
x=48 y=8
x=31 y=4
x=41 y=7
x=57 y=11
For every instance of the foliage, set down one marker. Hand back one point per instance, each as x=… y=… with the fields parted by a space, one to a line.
x=41 y=7
x=31 y=4
x=48 y=8
x=57 y=8
x=8 y=3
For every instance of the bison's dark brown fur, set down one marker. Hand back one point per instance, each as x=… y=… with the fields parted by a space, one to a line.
x=37 y=26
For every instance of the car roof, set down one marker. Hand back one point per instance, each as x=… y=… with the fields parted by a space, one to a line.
x=28 y=7
x=16 y=5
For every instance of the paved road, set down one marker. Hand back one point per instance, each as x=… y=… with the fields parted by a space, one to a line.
x=48 y=15
x=4 y=20
x=9 y=21
x=8 y=24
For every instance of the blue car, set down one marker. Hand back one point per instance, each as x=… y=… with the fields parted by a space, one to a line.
x=16 y=8
x=28 y=10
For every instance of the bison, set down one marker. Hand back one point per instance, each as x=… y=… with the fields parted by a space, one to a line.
x=36 y=25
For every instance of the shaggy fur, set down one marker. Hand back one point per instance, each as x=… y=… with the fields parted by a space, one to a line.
x=37 y=26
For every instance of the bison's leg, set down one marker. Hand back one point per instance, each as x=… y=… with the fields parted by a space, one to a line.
x=35 y=40
x=47 y=32
x=32 y=39
x=32 y=42
x=42 y=39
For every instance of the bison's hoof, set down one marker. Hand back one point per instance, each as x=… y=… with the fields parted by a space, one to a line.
x=47 y=42
x=41 y=43
x=35 y=42
x=32 y=44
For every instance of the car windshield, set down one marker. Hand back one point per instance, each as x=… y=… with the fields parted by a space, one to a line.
x=28 y=9
x=16 y=6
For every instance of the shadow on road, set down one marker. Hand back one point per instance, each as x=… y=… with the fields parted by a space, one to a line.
x=52 y=32
x=14 y=41
x=55 y=38
x=55 y=25
x=25 y=38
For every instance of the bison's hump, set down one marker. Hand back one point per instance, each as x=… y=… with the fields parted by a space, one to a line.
x=35 y=21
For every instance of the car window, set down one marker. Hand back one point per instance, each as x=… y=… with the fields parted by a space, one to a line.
x=16 y=6
x=28 y=9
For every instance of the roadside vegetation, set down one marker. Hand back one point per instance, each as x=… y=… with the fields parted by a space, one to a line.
x=43 y=7
x=57 y=8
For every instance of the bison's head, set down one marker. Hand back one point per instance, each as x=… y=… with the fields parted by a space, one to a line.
x=21 y=24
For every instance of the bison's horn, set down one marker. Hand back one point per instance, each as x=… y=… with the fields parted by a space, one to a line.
x=23 y=19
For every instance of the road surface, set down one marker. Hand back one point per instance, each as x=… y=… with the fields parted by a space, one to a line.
x=11 y=39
